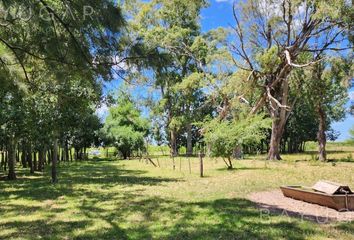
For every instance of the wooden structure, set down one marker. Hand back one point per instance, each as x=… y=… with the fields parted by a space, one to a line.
x=324 y=193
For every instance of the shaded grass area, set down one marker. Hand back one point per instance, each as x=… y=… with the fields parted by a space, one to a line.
x=133 y=200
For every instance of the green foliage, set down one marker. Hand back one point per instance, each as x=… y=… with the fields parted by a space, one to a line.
x=224 y=136
x=301 y=127
x=172 y=31
x=53 y=56
x=269 y=59
x=124 y=127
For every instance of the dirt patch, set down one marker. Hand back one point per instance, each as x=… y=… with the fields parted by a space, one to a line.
x=275 y=202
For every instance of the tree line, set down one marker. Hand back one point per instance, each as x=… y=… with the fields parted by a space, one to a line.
x=273 y=81
x=278 y=77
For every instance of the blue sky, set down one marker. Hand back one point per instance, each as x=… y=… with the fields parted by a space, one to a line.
x=219 y=14
x=344 y=126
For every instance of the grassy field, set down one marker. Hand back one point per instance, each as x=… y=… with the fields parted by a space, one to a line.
x=101 y=199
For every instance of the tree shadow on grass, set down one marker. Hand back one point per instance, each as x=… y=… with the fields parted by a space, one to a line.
x=85 y=174
x=41 y=229
x=161 y=219
x=242 y=168
x=219 y=219
x=131 y=213
x=239 y=219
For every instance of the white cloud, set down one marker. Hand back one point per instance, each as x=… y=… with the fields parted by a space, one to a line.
x=351 y=95
x=102 y=112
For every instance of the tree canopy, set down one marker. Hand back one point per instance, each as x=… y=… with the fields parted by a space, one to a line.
x=125 y=128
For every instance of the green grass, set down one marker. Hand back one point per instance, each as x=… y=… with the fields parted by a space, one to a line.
x=133 y=200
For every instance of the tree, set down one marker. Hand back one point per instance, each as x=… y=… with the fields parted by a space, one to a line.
x=272 y=41
x=59 y=52
x=170 y=31
x=225 y=136
x=301 y=127
x=327 y=92
x=44 y=29
x=11 y=111
x=124 y=127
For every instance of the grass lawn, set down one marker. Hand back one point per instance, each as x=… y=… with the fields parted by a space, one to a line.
x=101 y=199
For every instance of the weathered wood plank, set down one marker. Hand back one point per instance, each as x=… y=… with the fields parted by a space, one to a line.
x=331 y=187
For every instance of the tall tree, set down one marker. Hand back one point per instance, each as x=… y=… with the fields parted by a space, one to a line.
x=272 y=39
x=171 y=30
x=326 y=88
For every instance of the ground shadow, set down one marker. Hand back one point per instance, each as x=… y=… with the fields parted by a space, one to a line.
x=242 y=168
x=130 y=213
x=84 y=173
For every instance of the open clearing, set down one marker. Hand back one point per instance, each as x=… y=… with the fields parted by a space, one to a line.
x=102 y=199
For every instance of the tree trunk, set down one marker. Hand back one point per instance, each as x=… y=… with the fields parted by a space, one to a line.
x=35 y=165
x=76 y=153
x=279 y=116
x=17 y=153
x=273 y=153
x=189 y=140
x=55 y=161
x=6 y=160
x=41 y=156
x=30 y=159
x=230 y=163
x=201 y=164
x=23 y=157
x=125 y=155
x=66 y=148
x=321 y=134
x=85 y=157
x=49 y=156
x=173 y=143
x=3 y=160
x=12 y=159
x=81 y=154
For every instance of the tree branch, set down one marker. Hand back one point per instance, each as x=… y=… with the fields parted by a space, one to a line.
x=288 y=58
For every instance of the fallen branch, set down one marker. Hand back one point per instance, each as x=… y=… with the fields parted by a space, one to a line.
x=150 y=160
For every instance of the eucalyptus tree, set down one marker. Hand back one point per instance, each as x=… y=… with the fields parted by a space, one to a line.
x=170 y=32
x=327 y=91
x=273 y=39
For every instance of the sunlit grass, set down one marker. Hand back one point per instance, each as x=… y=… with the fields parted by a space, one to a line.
x=134 y=200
